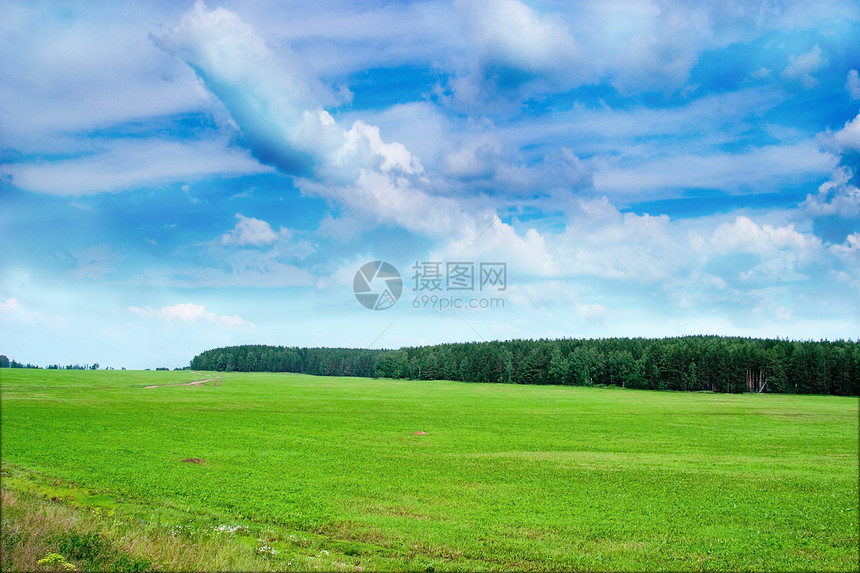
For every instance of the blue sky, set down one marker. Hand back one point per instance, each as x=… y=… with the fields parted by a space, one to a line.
x=179 y=176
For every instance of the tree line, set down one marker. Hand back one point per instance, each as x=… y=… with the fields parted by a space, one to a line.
x=6 y=363
x=689 y=363
x=262 y=358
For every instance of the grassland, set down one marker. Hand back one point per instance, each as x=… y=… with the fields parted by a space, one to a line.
x=360 y=474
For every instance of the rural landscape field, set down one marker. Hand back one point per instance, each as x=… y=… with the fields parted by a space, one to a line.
x=136 y=470
x=429 y=285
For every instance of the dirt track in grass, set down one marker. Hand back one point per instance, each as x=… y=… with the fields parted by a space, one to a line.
x=195 y=383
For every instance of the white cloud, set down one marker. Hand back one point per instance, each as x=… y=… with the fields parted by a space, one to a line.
x=850 y=250
x=383 y=181
x=477 y=159
x=508 y=33
x=13 y=311
x=11 y=305
x=652 y=46
x=746 y=236
x=251 y=232
x=782 y=251
x=848 y=138
x=188 y=312
x=802 y=67
x=385 y=199
x=598 y=241
x=499 y=241
x=835 y=197
x=696 y=127
x=339 y=38
x=761 y=73
x=514 y=46
x=271 y=96
x=759 y=169
x=849 y=254
x=549 y=293
x=603 y=242
x=85 y=67
x=852 y=84
x=838 y=196
x=636 y=46
x=422 y=127
x=394 y=156
x=74 y=72
x=127 y=165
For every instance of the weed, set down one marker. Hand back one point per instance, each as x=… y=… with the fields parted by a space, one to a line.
x=264 y=549
x=56 y=562
x=83 y=546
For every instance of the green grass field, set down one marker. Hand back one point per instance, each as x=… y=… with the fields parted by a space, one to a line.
x=331 y=473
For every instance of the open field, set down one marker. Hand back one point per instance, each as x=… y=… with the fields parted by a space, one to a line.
x=349 y=473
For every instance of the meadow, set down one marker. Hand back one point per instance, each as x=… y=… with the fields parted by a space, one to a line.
x=258 y=471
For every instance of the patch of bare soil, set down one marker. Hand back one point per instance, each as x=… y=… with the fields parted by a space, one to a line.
x=419 y=433
x=193 y=461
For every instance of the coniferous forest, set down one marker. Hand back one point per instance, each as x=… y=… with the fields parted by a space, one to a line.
x=689 y=363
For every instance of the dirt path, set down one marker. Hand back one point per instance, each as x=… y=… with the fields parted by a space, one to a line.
x=195 y=383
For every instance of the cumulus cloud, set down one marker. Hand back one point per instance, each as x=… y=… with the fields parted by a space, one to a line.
x=838 y=196
x=251 y=232
x=393 y=156
x=475 y=160
x=847 y=139
x=598 y=241
x=849 y=253
x=652 y=46
x=746 y=236
x=601 y=241
x=520 y=52
x=850 y=249
x=511 y=35
x=514 y=46
x=802 y=67
x=835 y=197
x=499 y=241
x=188 y=312
x=782 y=251
x=852 y=84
